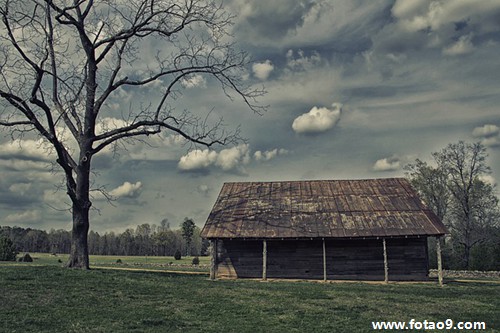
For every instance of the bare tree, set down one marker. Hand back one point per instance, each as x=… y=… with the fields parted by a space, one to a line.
x=456 y=193
x=432 y=185
x=63 y=62
x=474 y=200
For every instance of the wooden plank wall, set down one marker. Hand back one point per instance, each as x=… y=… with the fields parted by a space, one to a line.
x=355 y=259
x=237 y=258
x=346 y=259
x=408 y=258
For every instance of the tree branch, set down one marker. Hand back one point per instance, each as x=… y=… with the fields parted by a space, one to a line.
x=15 y=123
x=155 y=127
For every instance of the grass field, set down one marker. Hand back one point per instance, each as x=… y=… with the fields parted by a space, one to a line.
x=48 y=298
x=155 y=262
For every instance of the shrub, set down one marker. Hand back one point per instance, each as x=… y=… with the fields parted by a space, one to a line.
x=119 y=261
x=7 y=250
x=196 y=261
x=177 y=255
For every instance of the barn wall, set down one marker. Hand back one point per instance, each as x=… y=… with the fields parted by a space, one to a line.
x=346 y=259
x=236 y=258
x=355 y=259
x=408 y=259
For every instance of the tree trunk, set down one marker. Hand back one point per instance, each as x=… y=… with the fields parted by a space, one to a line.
x=79 y=255
x=467 y=256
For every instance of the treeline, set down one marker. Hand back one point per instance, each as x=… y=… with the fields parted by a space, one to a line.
x=144 y=240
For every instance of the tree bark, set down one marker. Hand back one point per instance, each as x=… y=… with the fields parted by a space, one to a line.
x=79 y=255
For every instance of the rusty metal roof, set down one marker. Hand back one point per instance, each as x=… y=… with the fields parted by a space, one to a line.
x=321 y=209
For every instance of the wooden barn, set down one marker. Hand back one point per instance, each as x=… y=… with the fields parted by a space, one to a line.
x=373 y=229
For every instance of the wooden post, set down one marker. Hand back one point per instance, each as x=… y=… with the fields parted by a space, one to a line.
x=386 y=265
x=324 y=260
x=213 y=259
x=439 y=262
x=264 y=260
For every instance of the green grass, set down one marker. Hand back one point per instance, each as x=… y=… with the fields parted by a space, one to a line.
x=54 y=299
x=96 y=261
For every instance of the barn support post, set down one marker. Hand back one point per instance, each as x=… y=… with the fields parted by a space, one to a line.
x=324 y=260
x=439 y=261
x=264 y=260
x=386 y=265
x=213 y=259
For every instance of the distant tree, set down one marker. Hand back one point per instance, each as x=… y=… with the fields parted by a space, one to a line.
x=7 y=250
x=63 y=64
x=188 y=227
x=127 y=243
x=432 y=185
x=197 y=242
x=165 y=241
x=59 y=241
x=143 y=238
x=164 y=224
x=474 y=201
x=456 y=192
x=94 y=240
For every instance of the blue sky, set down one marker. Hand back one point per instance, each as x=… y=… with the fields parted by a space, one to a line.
x=356 y=89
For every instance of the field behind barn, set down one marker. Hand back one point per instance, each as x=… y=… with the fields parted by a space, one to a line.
x=44 y=297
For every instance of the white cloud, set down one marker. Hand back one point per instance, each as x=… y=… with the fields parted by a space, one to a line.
x=109 y=123
x=28 y=216
x=20 y=188
x=487 y=130
x=317 y=119
x=387 y=164
x=227 y=159
x=493 y=141
x=197 y=159
x=418 y=15
x=194 y=81
x=23 y=165
x=269 y=154
x=489 y=133
x=454 y=27
x=26 y=150
x=488 y=179
x=405 y=9
x=204 y=189
x=127 y=190
x=462 y=46
x=231 y=158
x=261 y=70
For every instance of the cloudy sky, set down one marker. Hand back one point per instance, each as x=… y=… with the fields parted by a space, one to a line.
x=356 y=89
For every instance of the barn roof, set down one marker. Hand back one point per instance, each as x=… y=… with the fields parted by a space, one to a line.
x=321 y=209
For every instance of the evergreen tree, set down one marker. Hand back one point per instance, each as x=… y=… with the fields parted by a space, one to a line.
x=188 y=227
x=7 y=250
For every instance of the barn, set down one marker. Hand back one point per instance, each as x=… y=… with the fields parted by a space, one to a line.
x=370 y=229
